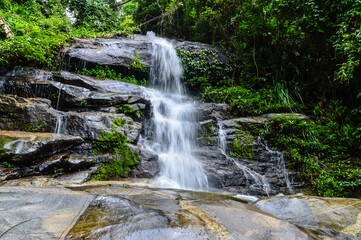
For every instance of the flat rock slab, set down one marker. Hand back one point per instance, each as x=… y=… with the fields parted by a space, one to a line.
x=24 y=147
x=336 y=218
x=244 y=222
x=39 y=213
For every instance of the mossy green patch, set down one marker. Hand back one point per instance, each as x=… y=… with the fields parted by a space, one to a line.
x=243 y=145
x=115 y=143
x=206 y=135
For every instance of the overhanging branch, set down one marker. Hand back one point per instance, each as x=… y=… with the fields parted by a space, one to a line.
x=6 y=28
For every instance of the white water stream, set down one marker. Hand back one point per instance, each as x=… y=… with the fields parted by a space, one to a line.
x=174 y=122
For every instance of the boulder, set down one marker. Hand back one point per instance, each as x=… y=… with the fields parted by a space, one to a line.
x=27 y=114
x=208 y=111
x=89 y=125
x=334 y=218
x=28 y=147
x=148 y=167
x=117 y=53
x=106 y=85
x=65 y=162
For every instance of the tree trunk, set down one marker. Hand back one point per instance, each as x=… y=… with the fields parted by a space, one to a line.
x=6 y=28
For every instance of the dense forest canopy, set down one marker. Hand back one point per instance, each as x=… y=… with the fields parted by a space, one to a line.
x=282 y=56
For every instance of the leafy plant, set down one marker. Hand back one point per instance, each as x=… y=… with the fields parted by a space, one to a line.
x=327 y=154
x=137 y=65
x=128 y=110
x=245 y=102
x=115 y=143
x=205 y=135
x=102 y=73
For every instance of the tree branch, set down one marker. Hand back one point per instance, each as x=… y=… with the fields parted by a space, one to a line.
x=6 y=28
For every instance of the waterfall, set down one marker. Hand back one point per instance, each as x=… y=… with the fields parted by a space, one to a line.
x=174 y=126
x=253 y=179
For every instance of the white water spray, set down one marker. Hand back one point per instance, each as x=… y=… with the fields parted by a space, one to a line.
x=174 y=122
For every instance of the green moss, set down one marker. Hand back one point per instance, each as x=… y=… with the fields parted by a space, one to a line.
x=244 y=101
x=38 y=127
x=102 y=73
x=137 y=65
x=115 y=143
x=243 y=146
x=4 y=156
x=129 y=111
x=205 y=135
x=4 y=140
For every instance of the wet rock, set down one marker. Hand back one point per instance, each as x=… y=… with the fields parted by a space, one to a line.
x=208 y=111
x=28 y=147
x=148 y=167
x=334 y=218
x=127 y=211
x=78 y=177
x=71 y=91
x=89 y=125
x=119 y=218
x=9 y=173
x=92 y=84
x=65 y=163
x=39 y=213
x=243 y=222
x=262 y=160
x=290 y=116
x=26 y=114
x=117 y=53
x=221 y=172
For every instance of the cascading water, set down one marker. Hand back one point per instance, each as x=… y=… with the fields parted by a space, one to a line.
x=59 y=125
x=278 y=157
x=59 y=94
x=173 y=122
x=253 y=179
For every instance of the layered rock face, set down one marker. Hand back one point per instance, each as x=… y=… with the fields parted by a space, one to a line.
x=63 y=113
x=120 y=53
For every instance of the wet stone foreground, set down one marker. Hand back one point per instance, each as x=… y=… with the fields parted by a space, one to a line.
x=123 y=212
x=112 y=210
